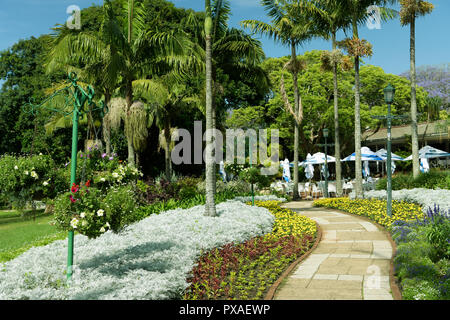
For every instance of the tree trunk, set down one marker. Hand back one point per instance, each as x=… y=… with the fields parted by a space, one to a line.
x=414 y=133
x=167 y=147
x=358 y=164
x=296 y=124
x=107 y=127
x=210 y=207
x=337 y=146
x=131 y=152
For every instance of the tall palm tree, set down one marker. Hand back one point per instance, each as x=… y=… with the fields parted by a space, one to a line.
x=410 y=10
x=129 y=55
x=332 y=18
x=210 y=206
x=233 y=52
x=292 y=25
x=356 y=47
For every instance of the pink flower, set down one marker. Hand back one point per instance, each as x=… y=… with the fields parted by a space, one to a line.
x=72 y=199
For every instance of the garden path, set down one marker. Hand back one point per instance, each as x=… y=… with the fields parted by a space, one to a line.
x=351 y=262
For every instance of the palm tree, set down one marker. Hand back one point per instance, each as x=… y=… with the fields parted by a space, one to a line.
x=127 y=57
x=210 y=206
x=410 y=10
x=292 y=25
x=356 y=47
x=332 y=18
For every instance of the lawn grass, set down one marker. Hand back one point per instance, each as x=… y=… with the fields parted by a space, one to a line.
x=18 y=234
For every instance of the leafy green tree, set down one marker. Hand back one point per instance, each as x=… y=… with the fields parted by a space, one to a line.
x=410 y=10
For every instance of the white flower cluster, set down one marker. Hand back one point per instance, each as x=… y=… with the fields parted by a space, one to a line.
x=150 y=259
x=260 y=198
x=426 y=198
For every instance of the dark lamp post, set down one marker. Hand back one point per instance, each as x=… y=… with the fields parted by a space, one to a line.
x=326 y=145
x=389 y=93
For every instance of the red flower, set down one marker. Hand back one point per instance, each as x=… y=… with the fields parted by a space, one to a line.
x=88 y=183
x=75 y=188
x=72 y=199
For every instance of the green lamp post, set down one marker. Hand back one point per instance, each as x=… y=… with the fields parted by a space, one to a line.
x=326 y=145
x=79 y=97
x=389 y=93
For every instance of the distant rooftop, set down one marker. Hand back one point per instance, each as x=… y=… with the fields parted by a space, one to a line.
x=433 y=131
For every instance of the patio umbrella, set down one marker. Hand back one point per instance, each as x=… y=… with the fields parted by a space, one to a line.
x=286 y=170
x=428 y=152
x=308 y=164
x=424 y=166
x=366 y=155
x=366 y=170
x=382 y=153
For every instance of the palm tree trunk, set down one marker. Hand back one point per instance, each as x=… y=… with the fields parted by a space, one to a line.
x=107 y=127
x=167 y=147
x=337 y=145
x=358 y=164
x=210 y=207
x=131 y=152
x=296 y=124
x=414 y=133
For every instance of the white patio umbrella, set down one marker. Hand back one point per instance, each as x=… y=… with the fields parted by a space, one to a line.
x=424 y=166
x=428 y=152
x=286 y=170
x=308 y=165
x=366 y=155
x=382 y=153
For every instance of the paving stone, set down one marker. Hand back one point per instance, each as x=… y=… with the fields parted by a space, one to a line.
x=347 y=277
x=378 y=297
x=352 y=260
x=319 y=276
x=334 y=284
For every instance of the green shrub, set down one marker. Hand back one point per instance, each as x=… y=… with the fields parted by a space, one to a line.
x=26 y=178
x=120 y=203
x=434 y=179
x=91 y=212
x=417 y=289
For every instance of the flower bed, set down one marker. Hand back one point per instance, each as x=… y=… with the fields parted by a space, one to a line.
x=247 y=270
x=374 y=209
x=426 y=198
x=150 y=259
x=421 y=263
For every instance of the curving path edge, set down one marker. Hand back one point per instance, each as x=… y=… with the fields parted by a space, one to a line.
x=351 y=262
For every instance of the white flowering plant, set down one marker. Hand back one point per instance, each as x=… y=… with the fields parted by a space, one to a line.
x=121 y=175
x=92 y=211
x=82 y=210
x=24 y=179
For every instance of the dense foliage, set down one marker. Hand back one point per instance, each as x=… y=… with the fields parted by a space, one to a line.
x=422 y=261
x=430 y=180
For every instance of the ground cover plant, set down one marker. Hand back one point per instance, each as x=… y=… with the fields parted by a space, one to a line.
x=422 y=261
x=150 y=259
x=247 y=270
x=374 y=209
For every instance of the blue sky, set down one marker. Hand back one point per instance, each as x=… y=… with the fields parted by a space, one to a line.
x=21 y=19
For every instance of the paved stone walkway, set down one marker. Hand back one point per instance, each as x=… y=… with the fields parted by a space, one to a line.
x=351 y=262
